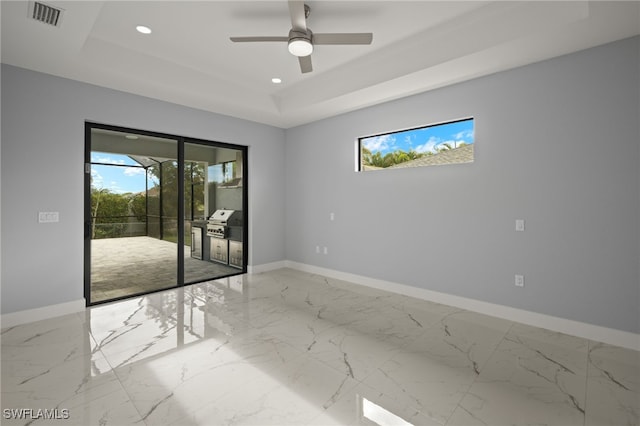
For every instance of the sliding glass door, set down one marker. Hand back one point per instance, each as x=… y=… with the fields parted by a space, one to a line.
x=149 y=198
x=213 y=182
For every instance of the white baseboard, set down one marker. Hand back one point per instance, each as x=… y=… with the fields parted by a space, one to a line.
x=575 y=328
x=266 y=267
x=37 y=314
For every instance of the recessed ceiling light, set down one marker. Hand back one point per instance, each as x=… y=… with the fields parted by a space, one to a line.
x=132 y=137
x=144 y=30
x=276 y=80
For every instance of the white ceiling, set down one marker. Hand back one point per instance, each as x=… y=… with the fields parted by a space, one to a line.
x=188 y=58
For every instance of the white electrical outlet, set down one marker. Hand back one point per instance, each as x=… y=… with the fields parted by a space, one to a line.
x=332 y=216
x=519 y=280
x=318 y=249
x=326 y=250
x=520 y=225
x=48 y=217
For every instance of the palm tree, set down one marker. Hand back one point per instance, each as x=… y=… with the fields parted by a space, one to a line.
x=446 y=146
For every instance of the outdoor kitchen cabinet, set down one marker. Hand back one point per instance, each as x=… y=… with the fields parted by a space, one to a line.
x=199 y=241
x=196 y=242
x=236 y=254
x=219 y=250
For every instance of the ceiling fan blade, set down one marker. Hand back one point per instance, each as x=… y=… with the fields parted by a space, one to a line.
x=298 y=15
x=305 y=64
x=253 y=39
x=342 y=38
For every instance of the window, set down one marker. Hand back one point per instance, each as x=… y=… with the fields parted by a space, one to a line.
x=222 y=172
x=436 y=144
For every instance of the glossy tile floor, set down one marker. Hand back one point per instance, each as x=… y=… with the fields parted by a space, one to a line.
x=290 y=348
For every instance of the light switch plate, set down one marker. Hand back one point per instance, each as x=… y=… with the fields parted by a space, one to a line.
x=48 y=217
x=520 y=225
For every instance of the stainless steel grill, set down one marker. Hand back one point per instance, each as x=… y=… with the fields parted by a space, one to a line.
x=220 y=220
x=225 y=227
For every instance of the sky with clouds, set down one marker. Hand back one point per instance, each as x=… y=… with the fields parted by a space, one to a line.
x=426 y=139
x=128 y=178
x=119 y=180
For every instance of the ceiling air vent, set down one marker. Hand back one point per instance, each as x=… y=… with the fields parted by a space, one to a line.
x=45 y=13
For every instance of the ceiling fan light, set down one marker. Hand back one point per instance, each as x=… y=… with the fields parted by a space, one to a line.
x=300 y=47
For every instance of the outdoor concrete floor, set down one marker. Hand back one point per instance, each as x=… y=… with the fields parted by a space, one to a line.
x=126 y=266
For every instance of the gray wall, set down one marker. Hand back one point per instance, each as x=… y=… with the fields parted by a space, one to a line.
x=557 y=144
x=42 y=170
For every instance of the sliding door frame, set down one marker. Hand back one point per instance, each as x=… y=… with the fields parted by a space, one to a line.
x=180 y=141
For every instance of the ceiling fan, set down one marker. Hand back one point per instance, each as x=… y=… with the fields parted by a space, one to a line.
x=301 y=39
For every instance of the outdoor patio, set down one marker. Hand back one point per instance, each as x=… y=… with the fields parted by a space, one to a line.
x=133 y=265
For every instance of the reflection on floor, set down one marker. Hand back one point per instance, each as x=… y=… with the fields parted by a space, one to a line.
x=125 y=266
x=290 y=348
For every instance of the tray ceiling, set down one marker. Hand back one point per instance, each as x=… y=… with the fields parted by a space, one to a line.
x=189 y=60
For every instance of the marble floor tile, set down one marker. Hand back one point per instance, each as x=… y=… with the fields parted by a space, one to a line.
x=364 y=405
x=59 y=338
x=167 y=388
x=413 y=379
x=295 y=328
x=350 y=351
x=84 y=385
x=292 y=348
x=534 y=377
x=613 y=386
x=461 y=339
x=292 y=394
